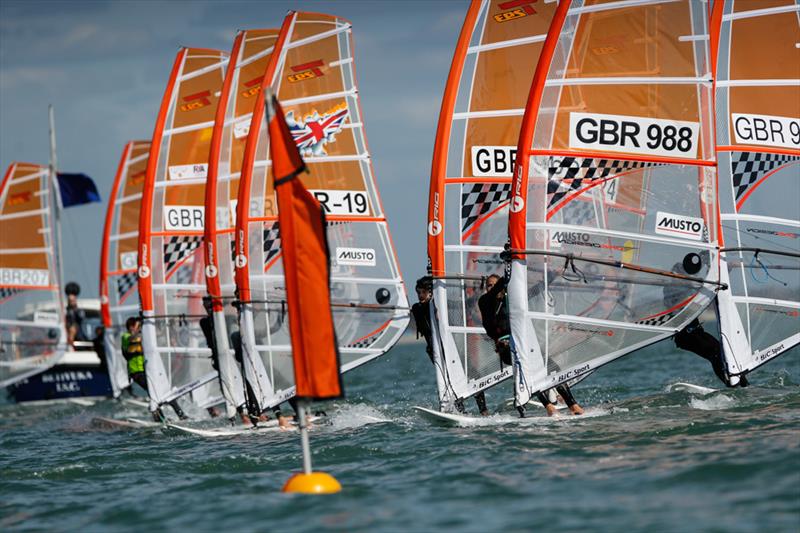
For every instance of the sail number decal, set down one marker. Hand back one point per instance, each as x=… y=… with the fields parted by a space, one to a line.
x=32 y=277
x=338 y=202
x=766 y=130
x=493 y=160
x=633 y=135
x=184 y=217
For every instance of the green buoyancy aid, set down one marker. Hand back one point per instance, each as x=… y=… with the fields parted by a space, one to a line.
x=132 y=350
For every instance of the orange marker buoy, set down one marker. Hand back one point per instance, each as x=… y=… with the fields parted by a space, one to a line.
x=313 y=483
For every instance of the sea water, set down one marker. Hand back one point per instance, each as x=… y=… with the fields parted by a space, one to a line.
x=645 y=457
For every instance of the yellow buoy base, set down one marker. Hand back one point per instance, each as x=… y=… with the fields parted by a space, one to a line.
x=313 y=483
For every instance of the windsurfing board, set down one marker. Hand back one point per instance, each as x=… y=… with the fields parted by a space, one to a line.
x=263 y=427
x=690 y=388
x=439 y=417
x=128 y=423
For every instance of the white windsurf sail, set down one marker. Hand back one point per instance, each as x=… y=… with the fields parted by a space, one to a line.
x=119 y=297
x=32 y=333
x=758 y=145
x=313 y=74
x=612 y=225
x=252 y=50
x=170 y=262
x=473 y=164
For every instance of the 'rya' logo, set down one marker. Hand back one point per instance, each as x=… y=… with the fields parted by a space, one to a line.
x=518 y=9
x=679 y=225
x=314 y=131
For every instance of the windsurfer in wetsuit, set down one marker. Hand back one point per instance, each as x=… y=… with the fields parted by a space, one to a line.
x=693 y=337
x=494 y=314
x=133 y=353
x=74 y=315
x=422 y=319
x=207 y=325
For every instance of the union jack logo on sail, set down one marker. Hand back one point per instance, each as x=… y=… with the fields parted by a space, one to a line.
x=314 y=131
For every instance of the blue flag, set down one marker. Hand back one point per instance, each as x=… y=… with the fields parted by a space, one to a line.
x=77 y=189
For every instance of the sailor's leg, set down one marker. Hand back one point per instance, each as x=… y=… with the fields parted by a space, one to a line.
x=699 y=342
x=178 y=410
x=569 y=399
x=546 y=403
x=459 y=404
x=480 y=400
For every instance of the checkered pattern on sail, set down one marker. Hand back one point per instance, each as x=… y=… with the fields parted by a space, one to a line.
x=748 y=167
x=659 y=320
x=366 y=342
x=8 y=292
x=272 y=241
x=569 y=174
x=581 y=212
x=125 y=283
x=178 y=248
x=481 y=198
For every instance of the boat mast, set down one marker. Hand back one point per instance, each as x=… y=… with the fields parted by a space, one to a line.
x=57 y=205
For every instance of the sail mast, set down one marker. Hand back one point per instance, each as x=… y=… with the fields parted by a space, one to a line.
x=57 y=205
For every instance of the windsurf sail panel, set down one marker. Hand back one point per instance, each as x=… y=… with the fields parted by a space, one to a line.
x=473 y=163
x=171 y=224
x=250 y=56
x=313 y=74
x=613 y=242
x=758 y=145
x=32 y=332
x=119 y=297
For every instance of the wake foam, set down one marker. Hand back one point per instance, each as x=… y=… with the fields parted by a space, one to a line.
x=715 y=403
x=352 y=416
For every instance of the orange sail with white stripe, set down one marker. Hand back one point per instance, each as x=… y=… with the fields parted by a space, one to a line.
x=313 y=74
x=252 y=50
x=119 y=297
x=171 y=224
x=32 y=332
x=758 y=145
x=613 y=239
x=473 y=163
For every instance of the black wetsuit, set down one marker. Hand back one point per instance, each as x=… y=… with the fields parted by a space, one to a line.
x=99 y=345
x=494 y=315
x=207 y=325
x=694 y=338
x=496 y=322
x=250 y=397
x=75 y=317
x=422 y=318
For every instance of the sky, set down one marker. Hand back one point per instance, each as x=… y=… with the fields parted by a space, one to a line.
x=104 y=66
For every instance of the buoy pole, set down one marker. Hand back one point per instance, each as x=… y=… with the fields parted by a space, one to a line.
x=303 y=422
x=309 y=482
